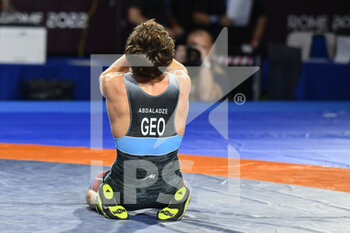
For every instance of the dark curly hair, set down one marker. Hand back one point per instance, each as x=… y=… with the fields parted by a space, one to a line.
x=153 y=41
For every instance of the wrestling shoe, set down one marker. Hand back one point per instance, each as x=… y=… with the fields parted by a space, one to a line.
x=107 y=206
x=177 y=207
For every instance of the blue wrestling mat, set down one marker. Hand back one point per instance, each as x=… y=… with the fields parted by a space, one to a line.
x=50 y=196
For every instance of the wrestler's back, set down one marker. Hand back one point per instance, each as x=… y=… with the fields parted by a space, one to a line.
x=113 y=88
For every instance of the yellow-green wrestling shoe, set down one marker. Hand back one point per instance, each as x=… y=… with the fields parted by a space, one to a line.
x=177 y=207
x=107 y=205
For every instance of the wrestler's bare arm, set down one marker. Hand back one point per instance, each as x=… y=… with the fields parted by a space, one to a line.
x=176 y=66
x=185 y=88
x=117 y=69
x=122 y=66
x=119 y=66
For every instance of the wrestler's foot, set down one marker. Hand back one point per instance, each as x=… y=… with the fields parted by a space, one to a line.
x=107 y=206
x=177 y=207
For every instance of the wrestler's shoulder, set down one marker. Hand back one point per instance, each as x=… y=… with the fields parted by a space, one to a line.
x=181 y=73
x=112 y=78
x=112 y=82
x=184 y=79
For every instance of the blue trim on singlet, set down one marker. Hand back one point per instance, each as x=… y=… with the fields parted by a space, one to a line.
x=148 y=146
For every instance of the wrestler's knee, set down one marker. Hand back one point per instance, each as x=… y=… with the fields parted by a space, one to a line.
x=90 y=198
x=91 y=194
